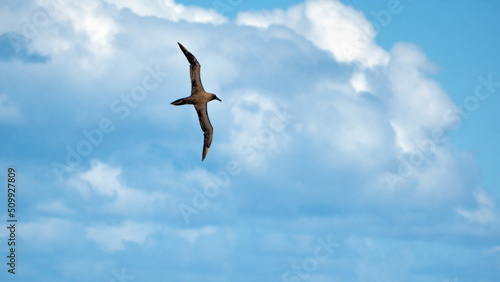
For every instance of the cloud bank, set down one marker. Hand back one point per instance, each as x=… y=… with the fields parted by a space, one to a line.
x=330 y=159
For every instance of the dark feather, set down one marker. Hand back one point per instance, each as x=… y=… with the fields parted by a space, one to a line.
x=194 y=70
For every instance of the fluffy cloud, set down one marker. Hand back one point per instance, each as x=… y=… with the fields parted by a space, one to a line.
x=412 y=90
x=330 y=25
x=191 y=235
x=114 y=237
x=171 y=11
x=486 y=214
x=103 y=181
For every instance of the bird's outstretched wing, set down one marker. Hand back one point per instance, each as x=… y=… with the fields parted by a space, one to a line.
x=194 y=70
x=206 y=126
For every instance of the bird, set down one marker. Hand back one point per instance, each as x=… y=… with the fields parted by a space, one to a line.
x=199 y=99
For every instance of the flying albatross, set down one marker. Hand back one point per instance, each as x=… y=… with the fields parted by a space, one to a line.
x=199 y=99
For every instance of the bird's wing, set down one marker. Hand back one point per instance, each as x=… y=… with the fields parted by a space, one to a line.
x=206 y=126
x=194 y=70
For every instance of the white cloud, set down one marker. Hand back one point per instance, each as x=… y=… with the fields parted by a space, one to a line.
x=330 y=25
x=418 y=103
x=9 y=112
x=348 y=127
x=55 y=207
x=486 y=214
x=91 y=27
x=113 y=237
x=191 y=235
x=359 y=83
x=257 y=129
x=104 y=181
x=168 y=9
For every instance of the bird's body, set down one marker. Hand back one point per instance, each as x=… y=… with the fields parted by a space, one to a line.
x=199 y=99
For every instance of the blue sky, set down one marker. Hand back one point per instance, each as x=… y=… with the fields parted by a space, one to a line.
x=355 y=141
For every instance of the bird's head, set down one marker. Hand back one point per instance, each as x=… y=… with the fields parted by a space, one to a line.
x=214 y=97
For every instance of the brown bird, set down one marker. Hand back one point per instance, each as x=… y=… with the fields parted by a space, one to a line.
x=199 y=99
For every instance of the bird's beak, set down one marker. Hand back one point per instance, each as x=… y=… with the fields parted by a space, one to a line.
x=218 y=99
